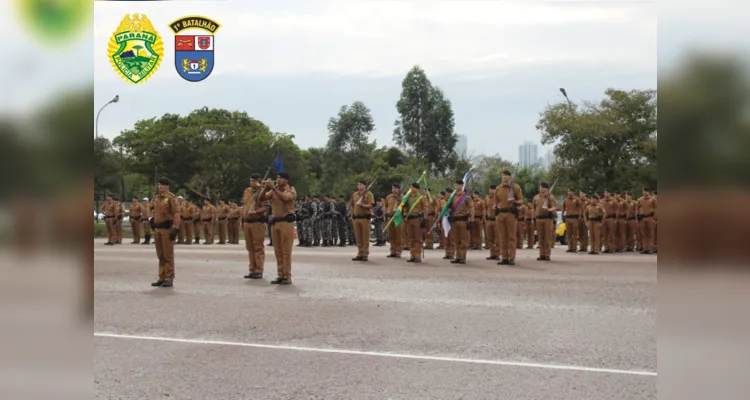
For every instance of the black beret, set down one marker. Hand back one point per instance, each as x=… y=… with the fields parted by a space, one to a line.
x=460 y=182
x=617 y=192
x=164 y=181
x=283 y=175
x=506 y=172
x=255 y=177
x=545 y=185
x=583 y=191
x=646 y=189
x=571 y=190
x=396 y=185
x=415 y=185
x=448 y=190
x=476 y=192
x=606 y=190
x=493 y=186
x=530 y=199
x=362 y=181
x=317 y=196
x=341 y=196
x=116 y=198
x=442 y=192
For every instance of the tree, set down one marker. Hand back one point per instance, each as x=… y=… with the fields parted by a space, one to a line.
x=426 y=125
x=137 y=49
x=605 y=145
x=109 y=167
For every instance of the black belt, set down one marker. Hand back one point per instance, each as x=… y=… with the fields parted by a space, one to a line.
x=196 y=220
x=456 y=219
x=206 y=219
x=222 y=219
x=185 y=218
x=164 y=224
x=572 y=216
x=620 y=217
x=610 y=215
x=135 y=218
x=503 y=210
x=430 y=214
x=108 y=217
x=367 y=216
x=478 y=217
x=410 y=217
x=529 y=220
x=631 y=218
x=255 y=220
x=596 y=219
x=234 y=218
x=287 y=218
x=646 y=215
x=490 y=218
x=543 y=217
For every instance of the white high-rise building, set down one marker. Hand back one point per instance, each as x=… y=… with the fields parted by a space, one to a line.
x=462 y=146
x=528 y=154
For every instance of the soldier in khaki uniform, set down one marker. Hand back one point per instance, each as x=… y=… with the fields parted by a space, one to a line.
x=507 y=199
x=109 y=208
x=282 y=199
x=181 y=234
x=608 y=226
x=119 y=216
x=197 y=227
x=361 y=204
x=521 y=226
x=545 y=209
x=621 y=223
x=432 y=203
x=646 y=211
x=166 y=224
x=415 y=218
x=187 y=221
x=490 y=237
x=254 y=219
x=572 y=212
x=223 y=213
x=136 y=214
x=631 y=224
x=530 y=225
x=207 y=218
x=235 y=214
x=461 y=220
x=439 y=227
x=656 y=225
x=583 y=231
x=392 y=202
x=594 y=216
x=475 y=234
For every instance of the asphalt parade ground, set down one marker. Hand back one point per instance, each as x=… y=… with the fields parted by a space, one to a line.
x=579 y=327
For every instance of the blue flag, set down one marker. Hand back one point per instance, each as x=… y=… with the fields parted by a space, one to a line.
x=278 y=164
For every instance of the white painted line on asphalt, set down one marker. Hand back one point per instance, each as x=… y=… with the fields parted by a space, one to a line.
x=378 y=354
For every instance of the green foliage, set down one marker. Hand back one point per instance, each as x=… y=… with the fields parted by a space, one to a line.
x=426 y=123
x=610 y=144
x=109 y=167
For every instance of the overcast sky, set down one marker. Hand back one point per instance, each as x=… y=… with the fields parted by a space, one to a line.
x=293 y=63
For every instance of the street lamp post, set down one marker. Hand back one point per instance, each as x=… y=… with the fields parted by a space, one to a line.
x=564 y=93
x=96 y=127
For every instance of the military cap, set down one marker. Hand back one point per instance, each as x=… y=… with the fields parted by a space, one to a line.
x=606 y=191
x=415 y=185
x=448 y=190
x=164 y=181
x=116 y=198
x=283 y=175
x=442 y=192
x=617 y=192
x=341 y=196
x=545 y=185
x=362 y=181
x=459 y=181
x=316 y=196
x=530 y=199
x=571 y=190
x=493 y=186
x=396 y=185
x=255 y=177
x=506 y=172
x=476 y=192
x=646 y=189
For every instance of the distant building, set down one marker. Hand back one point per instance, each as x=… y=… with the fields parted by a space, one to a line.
x=462 y=146
x=549 y=159
x=528 y=155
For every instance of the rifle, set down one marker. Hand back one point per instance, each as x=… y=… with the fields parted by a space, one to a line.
x=546 y=197
x=361 y=198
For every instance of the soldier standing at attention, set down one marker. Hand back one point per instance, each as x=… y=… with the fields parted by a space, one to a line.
x=208 y=217
x=183 y=206
x=656 y=225
x=187 y=222
x=583 y=231
x=197 y=223
x=416 y=218
x=317 y=219
x=136 y=212
x=621 y=223
x=520 y=225
x=544 y=210
x=392 y=202
x=166 y=223
x=631 y=225
x=282 y=199
x=530 y=225
x=646 y=209
x=222 y=213
x=593 y=217
x=234 y=222
x=361 y=204
x=326 y=221
x=440 y=204
x=489 y=223
x=341 y=220
x=572 y=212
x=119 y=215
x=507 y=200
x=476 y=240
x=462 y=220
x=105 y=208
x=429 y=239
x=378 y=214
x=254 y=219
x=608 y=226
x=145 y=215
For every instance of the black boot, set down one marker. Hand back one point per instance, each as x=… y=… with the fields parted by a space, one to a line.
x=148 y=239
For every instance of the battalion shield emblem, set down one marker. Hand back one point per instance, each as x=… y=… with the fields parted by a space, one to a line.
x=194 y=49
x=135 y=49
